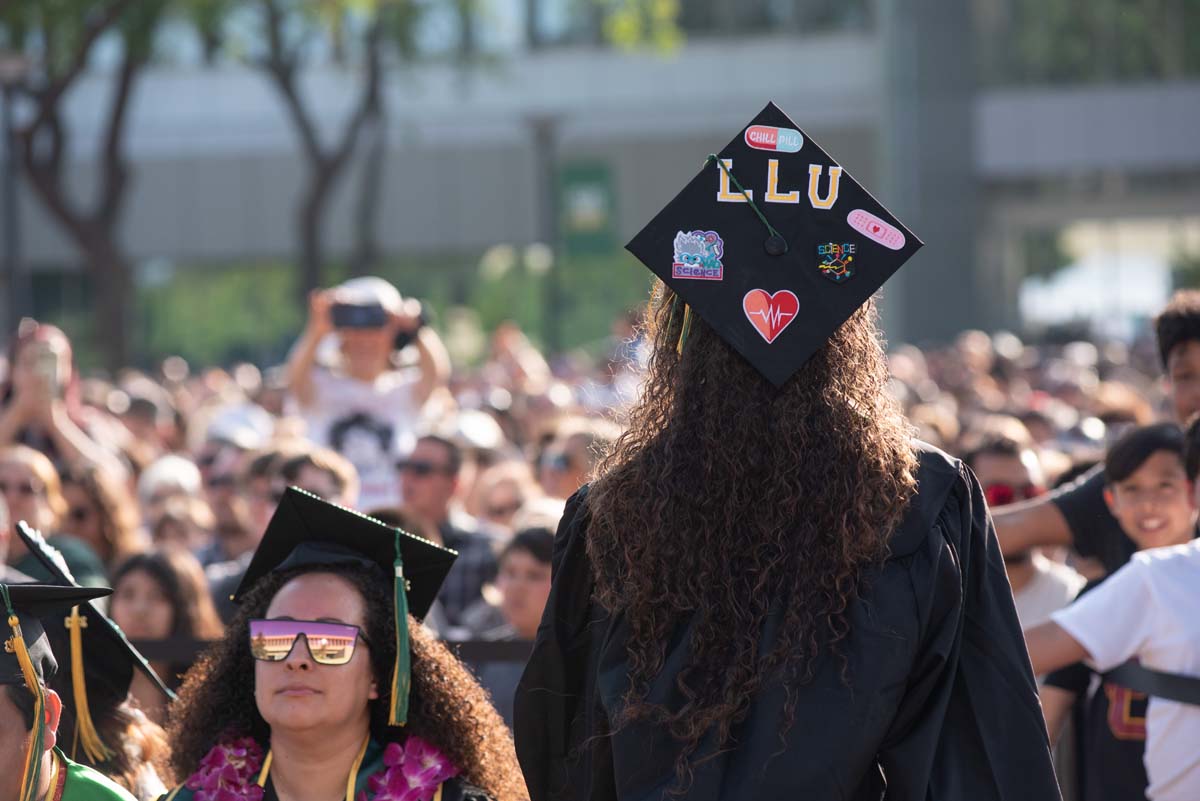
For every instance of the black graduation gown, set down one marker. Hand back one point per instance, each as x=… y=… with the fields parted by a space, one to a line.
x=942 y=704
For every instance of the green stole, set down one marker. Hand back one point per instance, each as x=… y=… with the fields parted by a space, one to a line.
x=81 y=783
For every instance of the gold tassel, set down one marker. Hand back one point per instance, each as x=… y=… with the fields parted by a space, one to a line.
x=684 y=328
x=32 y=774
x=85 y=727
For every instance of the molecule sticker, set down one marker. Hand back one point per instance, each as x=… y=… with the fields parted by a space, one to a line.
x=835 y=260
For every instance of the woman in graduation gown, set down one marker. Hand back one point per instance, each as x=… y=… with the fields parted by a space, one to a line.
x=33 y=766
x=317 y=693
x=721 y=627
x=770 y=592
x=101 y=725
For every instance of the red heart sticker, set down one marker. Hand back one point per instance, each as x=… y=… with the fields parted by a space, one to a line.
x=770 y=314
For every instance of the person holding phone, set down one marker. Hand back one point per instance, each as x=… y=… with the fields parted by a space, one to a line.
x=40 y=402
x=360 y=402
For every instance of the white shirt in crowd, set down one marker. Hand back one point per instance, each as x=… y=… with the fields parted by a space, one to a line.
x=1053 y=586
x=1150 y=609
x=371 y=424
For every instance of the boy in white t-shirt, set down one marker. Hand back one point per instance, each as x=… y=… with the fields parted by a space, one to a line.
x=1148 y=610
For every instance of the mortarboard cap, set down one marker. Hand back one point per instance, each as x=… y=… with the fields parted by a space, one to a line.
x=308 y=531
x=27 y=659
x=774 y=245
x=102 y=660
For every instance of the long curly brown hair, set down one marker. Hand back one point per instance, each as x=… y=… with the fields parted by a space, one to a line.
x=447 y=706
x=726 y=495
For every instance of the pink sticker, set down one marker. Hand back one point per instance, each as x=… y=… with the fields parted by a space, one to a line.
x=876 y=229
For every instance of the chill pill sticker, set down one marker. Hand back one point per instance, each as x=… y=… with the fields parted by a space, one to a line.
x=876 y=229
x=780 y=140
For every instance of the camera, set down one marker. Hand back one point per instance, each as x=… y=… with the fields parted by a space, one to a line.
x=347 y=315
x=46 y=366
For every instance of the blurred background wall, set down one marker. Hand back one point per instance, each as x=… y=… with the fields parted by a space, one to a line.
x=498 y=154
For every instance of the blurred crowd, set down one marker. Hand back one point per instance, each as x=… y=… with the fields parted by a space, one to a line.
x=160 y=484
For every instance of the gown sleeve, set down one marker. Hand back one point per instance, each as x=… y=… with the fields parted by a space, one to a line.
x=970 y=724
x=554 y=689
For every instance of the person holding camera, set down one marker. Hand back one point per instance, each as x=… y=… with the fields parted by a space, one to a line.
x=360 y=402
x=40 y=403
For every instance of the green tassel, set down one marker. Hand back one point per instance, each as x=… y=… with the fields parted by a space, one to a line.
x=402 y=674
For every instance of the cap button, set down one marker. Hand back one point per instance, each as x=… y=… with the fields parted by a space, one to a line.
x=775 y=245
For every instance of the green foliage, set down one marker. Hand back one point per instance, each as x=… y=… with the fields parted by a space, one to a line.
x=642 y=23
x=1185 y=271
x=213 y=314
x=1088 y=41
x=1044 y=254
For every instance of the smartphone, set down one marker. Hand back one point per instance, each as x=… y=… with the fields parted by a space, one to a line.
x=46 y=366
x=346 y=315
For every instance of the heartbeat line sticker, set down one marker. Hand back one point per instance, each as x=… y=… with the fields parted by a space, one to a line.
x=770 y=314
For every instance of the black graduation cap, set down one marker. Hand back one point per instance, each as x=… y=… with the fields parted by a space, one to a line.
x=307 y=530
x=774 y=245
x=97 y=648
x=27 y=659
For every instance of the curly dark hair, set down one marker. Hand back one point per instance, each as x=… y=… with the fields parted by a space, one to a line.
x=726 y=495
x=1177 y=323
x=447 y=706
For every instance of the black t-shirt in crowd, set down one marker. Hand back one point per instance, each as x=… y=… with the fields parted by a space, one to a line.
x=1095 y=532
x=1110 y=729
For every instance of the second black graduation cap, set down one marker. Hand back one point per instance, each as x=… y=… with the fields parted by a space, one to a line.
x=306 y=530
x=27 y=659
x=776 y=269
x=106 y=657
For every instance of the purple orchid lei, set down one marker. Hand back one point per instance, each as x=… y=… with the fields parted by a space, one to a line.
x=227 y=772
x=412 y=772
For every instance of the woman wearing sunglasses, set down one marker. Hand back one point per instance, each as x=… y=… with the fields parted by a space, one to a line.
x=316 y=693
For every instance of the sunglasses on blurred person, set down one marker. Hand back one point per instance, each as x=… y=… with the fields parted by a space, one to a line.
x=26 y=488
x=422 y=469
x=559 y=462
x=220 y=482
x=1004 y=494
x=79 y=514
x=504 y=510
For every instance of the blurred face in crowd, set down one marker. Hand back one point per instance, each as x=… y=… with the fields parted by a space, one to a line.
x=25 y=495
x=1008 y=478
x=366 y=350
x=83 y=518
x=320 y=483
x=1155 y=505
x=427 y=481
x=564 y=467
x=501 y=503
x=262 y=496
x=1183 y=379
x=524 y=584
x=297 y=694
x=141 y=608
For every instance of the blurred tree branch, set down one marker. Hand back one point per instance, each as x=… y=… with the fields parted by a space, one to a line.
x=69 y=31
